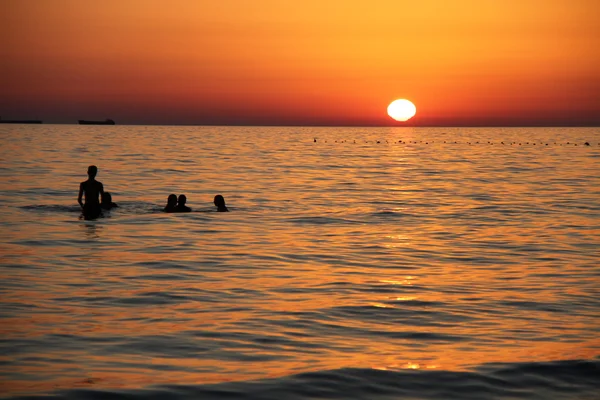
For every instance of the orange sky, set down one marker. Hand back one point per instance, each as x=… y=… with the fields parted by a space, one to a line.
x=310 y=62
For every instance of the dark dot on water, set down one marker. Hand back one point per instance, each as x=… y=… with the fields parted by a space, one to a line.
x=587 y=143
x=378 y=141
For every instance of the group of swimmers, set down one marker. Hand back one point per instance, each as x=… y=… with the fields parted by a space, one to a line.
x=177 y=204
x=93 y=189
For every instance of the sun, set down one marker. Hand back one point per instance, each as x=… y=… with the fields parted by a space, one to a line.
x=401 y=110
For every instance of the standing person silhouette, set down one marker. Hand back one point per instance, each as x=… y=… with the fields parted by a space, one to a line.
x=92 y=189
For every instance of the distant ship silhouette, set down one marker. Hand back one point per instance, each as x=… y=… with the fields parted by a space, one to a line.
x=20 y=121
x=105 y=122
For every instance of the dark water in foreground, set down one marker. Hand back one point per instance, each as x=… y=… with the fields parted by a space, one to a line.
x=446 y=266
x=558 y=380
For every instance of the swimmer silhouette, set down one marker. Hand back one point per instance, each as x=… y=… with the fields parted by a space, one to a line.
x=106 y=203
x=181 y=207
x=220 y=203
x=91 y=189
x=171 y=203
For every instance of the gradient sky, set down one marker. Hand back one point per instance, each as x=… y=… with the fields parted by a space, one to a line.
x=310 y=62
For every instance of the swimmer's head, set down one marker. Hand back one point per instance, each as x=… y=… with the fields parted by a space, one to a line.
x=106 y=197
x=182 y=199
x=219 y=201
x=172 y=200
x=92 y=171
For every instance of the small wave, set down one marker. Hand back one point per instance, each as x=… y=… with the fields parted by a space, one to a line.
x=404 y=316
x=52 y=208
x=135 y=208
x=321 y=221
x=390 y=214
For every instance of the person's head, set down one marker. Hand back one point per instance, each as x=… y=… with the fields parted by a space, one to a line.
x=182 y=199
x=219 y=201
x=92 y=171
x=172 y=200
x=106 y=197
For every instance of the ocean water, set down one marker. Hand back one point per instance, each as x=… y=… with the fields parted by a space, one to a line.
x=374 y=263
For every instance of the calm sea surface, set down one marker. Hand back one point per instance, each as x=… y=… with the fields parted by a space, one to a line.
x=447 y=265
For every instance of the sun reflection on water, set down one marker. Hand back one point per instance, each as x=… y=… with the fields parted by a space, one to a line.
x=407 y=281
x=404 y=298
x=405 y=366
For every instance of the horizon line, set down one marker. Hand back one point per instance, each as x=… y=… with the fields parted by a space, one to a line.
x=332 y=125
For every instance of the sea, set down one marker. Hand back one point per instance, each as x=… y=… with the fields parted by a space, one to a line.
x=354 y=263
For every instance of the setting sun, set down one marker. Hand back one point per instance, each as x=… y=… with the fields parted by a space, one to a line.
x=401 y=110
